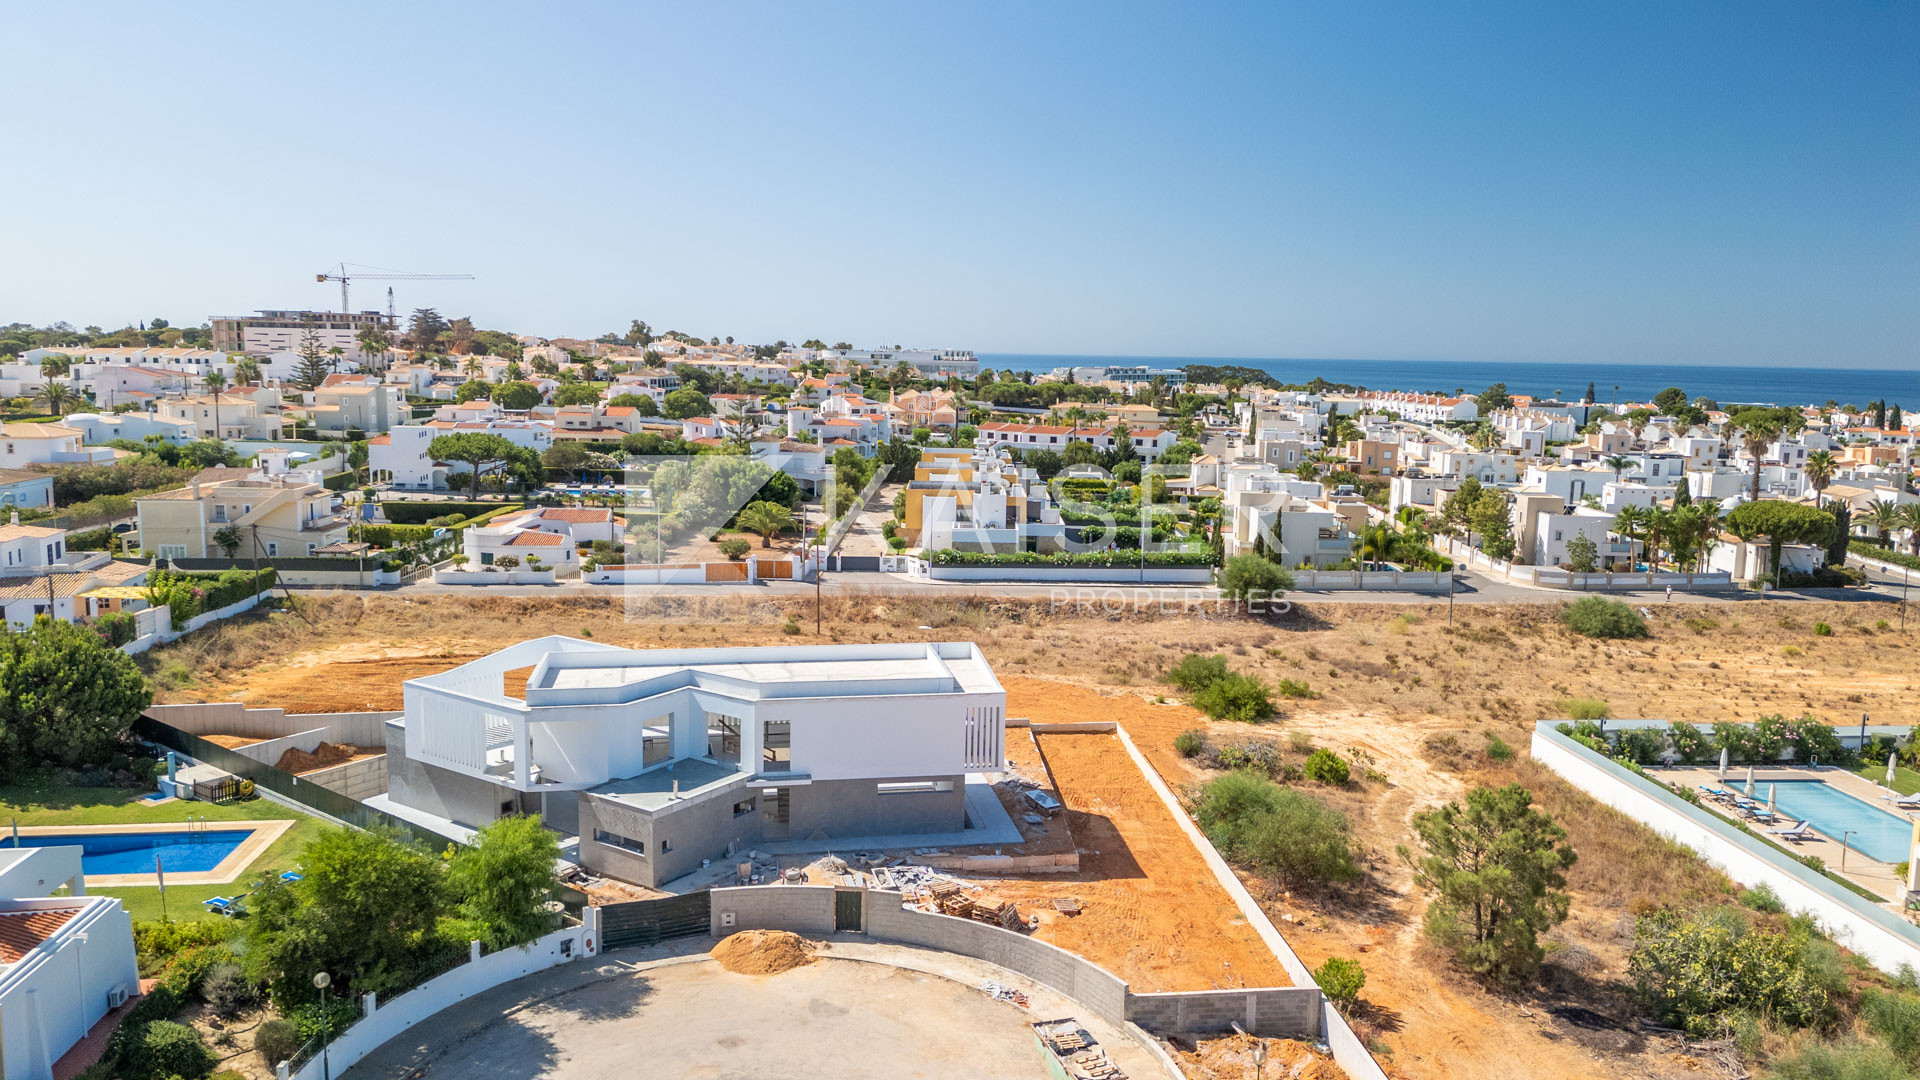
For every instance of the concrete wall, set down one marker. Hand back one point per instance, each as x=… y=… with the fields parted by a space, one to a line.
x=268 y=752
x=51 y=996
x=234 y=718
x=1282 y=1012
x=357 y=780
x=692 y=830
x=474 y=977
x=803 y=909
x=1154 y=575
x=456 y=796
x=1402 y=580
x=496 y=577
x=856 y=808
x=1859 y=924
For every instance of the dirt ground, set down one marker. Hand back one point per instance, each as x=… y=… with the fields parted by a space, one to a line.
x=1394 y=682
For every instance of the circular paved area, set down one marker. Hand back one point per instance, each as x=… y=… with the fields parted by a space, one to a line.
x=697 y=1021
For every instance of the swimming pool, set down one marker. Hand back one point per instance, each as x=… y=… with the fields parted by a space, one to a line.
x=1870 y=830
x=137 y=852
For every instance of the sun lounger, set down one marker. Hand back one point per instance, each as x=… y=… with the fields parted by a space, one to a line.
x=1908 y=802
x=290 y=877
x=1800 y=831
x=226 y=905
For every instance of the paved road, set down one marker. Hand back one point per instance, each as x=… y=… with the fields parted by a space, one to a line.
x=1473 y=588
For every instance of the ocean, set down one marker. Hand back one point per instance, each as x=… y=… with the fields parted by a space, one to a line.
x=1725 y=384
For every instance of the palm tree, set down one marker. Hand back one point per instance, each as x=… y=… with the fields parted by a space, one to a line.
x=471 y=366
x=246 y=371
x=769 y=519
x=333 y=357
x=1619 y=465
x=1885 y=518
x=1820 y=466
x=375 y=341
x=216 y=381
x=1074 y=415
x=1373 y=544
x=56 y=393
x=1627 y=523
x=1909 y=515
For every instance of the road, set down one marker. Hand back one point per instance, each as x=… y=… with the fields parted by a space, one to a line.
x=1473 y=588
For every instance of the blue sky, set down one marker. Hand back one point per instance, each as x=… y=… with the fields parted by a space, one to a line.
x=1647 y=183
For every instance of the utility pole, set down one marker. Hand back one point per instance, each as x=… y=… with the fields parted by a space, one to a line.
x=1450 y=596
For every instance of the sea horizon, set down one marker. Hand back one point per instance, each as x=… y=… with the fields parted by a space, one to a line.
x=1724 y=383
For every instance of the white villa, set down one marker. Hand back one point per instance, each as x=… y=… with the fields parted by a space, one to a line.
x=663 y=758
x=65 y=961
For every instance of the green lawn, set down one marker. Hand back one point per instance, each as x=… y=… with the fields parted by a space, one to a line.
x=1905 y=781
x=52 y=805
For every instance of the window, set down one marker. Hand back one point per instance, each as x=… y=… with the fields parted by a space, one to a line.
x=602 y=836
x=273 y=548
x=743 y=808
x=913 y=787
x=723 y=737
x=776 y=746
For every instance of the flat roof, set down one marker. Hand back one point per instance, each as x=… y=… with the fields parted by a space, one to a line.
x=780 y=671
x=653 y=790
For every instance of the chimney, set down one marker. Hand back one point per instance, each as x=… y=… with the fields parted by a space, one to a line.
x=14 y=518
x=194 y=484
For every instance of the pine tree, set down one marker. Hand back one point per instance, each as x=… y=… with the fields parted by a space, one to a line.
x=1894 y=417
x=311 y=371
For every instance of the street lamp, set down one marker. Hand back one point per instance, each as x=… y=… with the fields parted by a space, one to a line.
x=1844 y=833
x=1259 y=1058
x=322 y=980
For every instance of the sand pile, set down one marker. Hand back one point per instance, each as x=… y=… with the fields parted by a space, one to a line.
x=297 y=760
x=764 y=952
x=1230 y=1057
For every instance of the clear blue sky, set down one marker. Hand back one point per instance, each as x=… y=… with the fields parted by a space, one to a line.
x=1731 y=182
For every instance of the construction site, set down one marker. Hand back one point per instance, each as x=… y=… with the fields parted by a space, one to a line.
x=1112 y=875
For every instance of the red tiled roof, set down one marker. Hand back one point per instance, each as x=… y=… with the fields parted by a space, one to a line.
x=580 y=514
x=380 y=440
x=21 y=932
x=537 y=539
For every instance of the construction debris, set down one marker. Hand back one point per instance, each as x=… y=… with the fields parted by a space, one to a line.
x=764 y=952
x=1075 y=1051
x=1003 y=992
x=1066 y=905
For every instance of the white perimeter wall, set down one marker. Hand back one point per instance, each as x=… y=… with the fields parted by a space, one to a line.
x=1853 y=921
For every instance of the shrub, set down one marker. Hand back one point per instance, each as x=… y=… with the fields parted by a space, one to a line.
x=276 y=1040
x=1497 y=748
x=790 y=628
x=227 y=991
x=1895 y=1019
x=1235 y=697
x=1599 y=617
x=1253 y=579
x=1197 y=671
x=1294 y=688
x=1583 y=708
x=1275 y=830
x=1190 y=743
x=1694 y=971
x=1326 y=767
x=1762 y=898
x=735 y=549
x=1340 y=979
x=1845 y=1060
x=1823 y=629
x=165 y=1050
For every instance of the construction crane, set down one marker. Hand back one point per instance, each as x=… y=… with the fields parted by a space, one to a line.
x=343 y=277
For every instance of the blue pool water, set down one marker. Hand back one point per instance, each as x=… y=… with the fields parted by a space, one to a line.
x=1870 y=830
x=135 y=853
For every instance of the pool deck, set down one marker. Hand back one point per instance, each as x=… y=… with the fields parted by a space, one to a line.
x=1866 y=872
x=262 y=835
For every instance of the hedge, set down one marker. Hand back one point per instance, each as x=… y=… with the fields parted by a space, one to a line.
x=1105 y=559
x=394 y=535
x=419 y=513
x=100 y=539
x=1868 y=550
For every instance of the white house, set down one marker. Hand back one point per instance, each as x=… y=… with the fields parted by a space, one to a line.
x=24 y=444
x=96 y=429
x=549 y=534
x=65 y=961
x=400 y=456
x=665 y=758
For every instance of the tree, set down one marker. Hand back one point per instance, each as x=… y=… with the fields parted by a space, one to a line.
x=1079 y=452
x=424 y=329
x=639 y=334
x=311 y=370
x=1494 y=397
x=640 y=403
x=516 y=396
x=504 y=879
x=471 y=390
x=482 y=451
x=570 y=458
x=228 y=539
x=1275 y=830
x=1820 y=468
x=1582 y=554
x=1495 y=869
x=1670 y=401
x=899 y=456
x=1781 y=523
x=1628 y=522
x=1458 y=509
x=216 y=382
x=684 y=403
x=1619 y=465
x=769 y=519
x=375 y=342
x=365 y=911
x=66 y=699
x=1909 y=517
x=576 y=394
x=1885 y=519
x=1253 y=579
x=246 y=371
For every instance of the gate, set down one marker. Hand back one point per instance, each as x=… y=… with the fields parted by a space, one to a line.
x=859 y=564
x=846 y=910
x=647 y=922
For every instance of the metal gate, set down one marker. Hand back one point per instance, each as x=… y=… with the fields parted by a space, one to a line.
x=846 y=910
x=645 y=922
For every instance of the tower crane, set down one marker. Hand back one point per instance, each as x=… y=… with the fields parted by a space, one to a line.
x=343 y=277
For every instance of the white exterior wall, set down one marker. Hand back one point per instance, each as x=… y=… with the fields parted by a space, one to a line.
x=51 y=997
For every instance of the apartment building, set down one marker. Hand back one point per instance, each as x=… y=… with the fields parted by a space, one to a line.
x=1287 y=518
x=282 y=331
x=1421 y=408
x=342 y=407
x=288 y=514
x=1149 y=443
x=666 y=758
x=229 y=416
x=935 y=363
x=972 y=499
